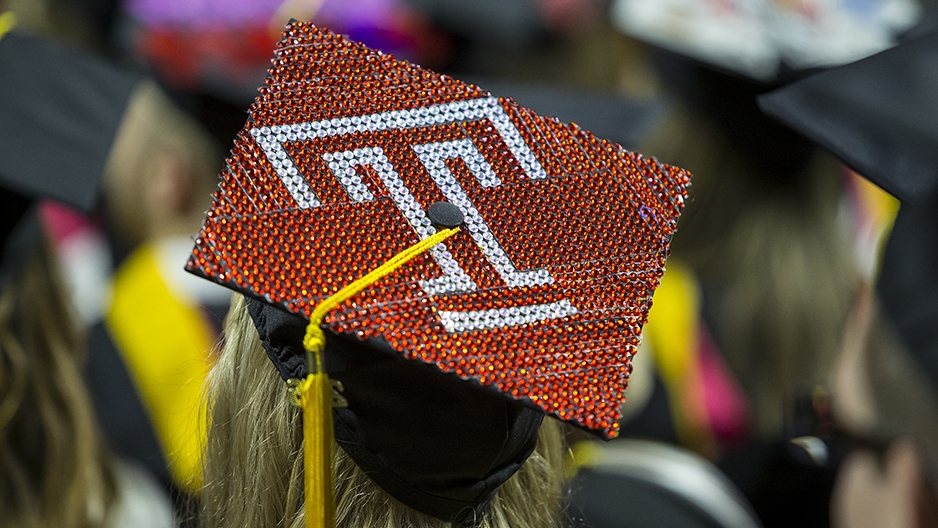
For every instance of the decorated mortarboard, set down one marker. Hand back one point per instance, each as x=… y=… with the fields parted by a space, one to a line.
x=880 y=116
x=416 y=217
x=60 y=110
x=766 y=39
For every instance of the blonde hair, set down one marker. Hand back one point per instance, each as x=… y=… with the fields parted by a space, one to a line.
x=53 y=469
x=254 y=459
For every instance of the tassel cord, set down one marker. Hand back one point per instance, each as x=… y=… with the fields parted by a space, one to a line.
x=314 y=393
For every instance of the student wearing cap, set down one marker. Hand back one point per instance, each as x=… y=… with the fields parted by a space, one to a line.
x=879 y=116
x=59 y=112
x=432 y=436
x=770 y=272
x=162 y=169
x=767 y=271
x=159 y=181
x=438 y=276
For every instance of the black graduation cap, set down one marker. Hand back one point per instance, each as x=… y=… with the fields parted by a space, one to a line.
x=718 y=56
x=60 y=110
x=880 y=116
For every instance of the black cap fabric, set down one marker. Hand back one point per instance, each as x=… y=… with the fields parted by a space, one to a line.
x=908 y=283
x=879 y=115
x=776 y=154
x=442 y=448
x=60 y=110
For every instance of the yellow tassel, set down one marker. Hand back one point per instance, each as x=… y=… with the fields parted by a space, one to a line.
x=315 y=397
x=314 y=393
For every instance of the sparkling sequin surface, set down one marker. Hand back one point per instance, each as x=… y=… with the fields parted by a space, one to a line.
x=543 y=293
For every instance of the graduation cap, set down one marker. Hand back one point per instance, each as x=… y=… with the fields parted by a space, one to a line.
x=463 y=264
x=880 y=116
x=718 y=56
x=765 y=39
x=60 y=110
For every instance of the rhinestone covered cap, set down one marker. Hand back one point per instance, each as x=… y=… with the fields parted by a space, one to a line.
x=543 y=293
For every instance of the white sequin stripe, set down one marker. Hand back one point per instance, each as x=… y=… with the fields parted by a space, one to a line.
x=454 y=278
x=433 y=157
x=342 y=165
x=271 y=139
x=503 y=317
x=299 y=188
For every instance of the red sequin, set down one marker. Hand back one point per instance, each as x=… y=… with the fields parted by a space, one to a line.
x=551 y=278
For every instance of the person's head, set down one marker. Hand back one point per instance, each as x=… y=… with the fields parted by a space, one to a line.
x=162 y=171
x=771 y=255
x=254 y=460
x=878 y=116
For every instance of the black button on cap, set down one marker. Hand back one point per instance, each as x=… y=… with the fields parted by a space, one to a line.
x=445 y=214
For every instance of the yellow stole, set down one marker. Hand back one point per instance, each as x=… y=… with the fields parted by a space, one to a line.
x=672 y=330
x=166 y=344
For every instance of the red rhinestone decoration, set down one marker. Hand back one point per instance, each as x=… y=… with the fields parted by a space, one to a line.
x=542 y=294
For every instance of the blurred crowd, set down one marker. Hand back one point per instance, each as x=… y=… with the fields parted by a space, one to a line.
x=787 y=373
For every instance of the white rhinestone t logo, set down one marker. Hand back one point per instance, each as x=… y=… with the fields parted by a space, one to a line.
x=433 y=156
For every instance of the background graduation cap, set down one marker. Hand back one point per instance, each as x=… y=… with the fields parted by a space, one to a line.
x=538 y=298
x=880 y=116
x=767 y=40
x=718 y=56
x=60 y=110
